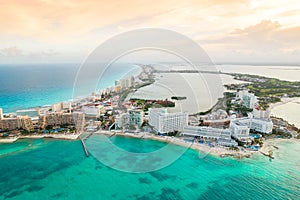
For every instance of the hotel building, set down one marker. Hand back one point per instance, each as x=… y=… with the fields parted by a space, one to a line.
x=62 y=106
x=249 y=100
x=57 y=119
x=91 y=111
x=164 y=122
x=125 y=83
x=241 y=127
x=223 y=136
x=19 y=122
x=262 y=114
x=136 y=117
x=240 y=131
x=133 y=117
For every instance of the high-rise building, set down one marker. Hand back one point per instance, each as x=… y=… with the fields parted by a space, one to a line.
x=28 y=112
x=79 y=120
x=136 y=117
x=262 y=114
x=59 y=118
x=20 y=122
x=222 y=136
x=62 y=106
x=125 y=83
x=241 y=127
x=240 y=130
x=122 y=120
x=164 y=122
x=249 y=100
x=91 y=111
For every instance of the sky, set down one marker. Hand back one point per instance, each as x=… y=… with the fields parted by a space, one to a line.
x=230 y=31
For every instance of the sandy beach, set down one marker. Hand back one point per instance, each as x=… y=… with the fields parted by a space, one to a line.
x=203 y=148
x=271 y=144
x=54 y=136
x=9 y=140
x=287 y=109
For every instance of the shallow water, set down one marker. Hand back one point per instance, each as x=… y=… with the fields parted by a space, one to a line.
x=52 y=169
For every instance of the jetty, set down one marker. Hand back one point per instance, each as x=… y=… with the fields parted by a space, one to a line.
x=270 y=154
x=112 y=135
x=84 y=147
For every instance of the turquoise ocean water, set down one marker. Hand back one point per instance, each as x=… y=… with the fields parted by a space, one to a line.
x=51 y=169
x=30 y=85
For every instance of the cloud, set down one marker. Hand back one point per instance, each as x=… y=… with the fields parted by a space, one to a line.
x=267 y=40
x=265 y=26
x=10 y=52
x=222 y=26
x=17 y=52
x=43 y=18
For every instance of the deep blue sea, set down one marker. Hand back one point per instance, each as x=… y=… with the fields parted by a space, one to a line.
x=52 y=169
x=31 y=85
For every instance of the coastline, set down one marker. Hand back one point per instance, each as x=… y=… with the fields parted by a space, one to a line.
x=269 y=144
x=286 y=110
x=202 y=148
x=53 y=136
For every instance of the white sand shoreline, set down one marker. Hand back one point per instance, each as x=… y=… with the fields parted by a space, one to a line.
x=53 y=136
x=269 y=144
x=287 y=109
x=202 y=148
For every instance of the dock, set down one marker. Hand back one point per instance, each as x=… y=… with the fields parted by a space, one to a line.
x=267 y=154
x=112 y=135
x=84 y=147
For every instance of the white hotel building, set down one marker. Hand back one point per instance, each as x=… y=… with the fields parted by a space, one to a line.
x=164 y=122
x=241 y=127
x=249 y=100
x=240 y=130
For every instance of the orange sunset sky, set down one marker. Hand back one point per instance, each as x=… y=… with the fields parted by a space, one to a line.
x=228 y=30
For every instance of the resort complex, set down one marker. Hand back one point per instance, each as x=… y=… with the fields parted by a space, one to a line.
x=241 y=125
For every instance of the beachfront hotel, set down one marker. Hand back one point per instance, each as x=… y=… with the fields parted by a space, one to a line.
x=136 y=117
x=60 y=118
x=14 y=123
x=241 y=127
x=222 y=136
x=206 y=132
x=262 y=114
x=254 y=124
x=132 y=117
x=164 y=122
x=240 y=131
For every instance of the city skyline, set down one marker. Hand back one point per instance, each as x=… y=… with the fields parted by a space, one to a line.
x=229 y=31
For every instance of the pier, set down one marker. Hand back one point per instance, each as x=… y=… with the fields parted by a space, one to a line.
x=112 y=135
x=270 y=154
x=84 y=147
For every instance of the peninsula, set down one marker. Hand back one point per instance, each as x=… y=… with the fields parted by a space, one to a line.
x=238 y=125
